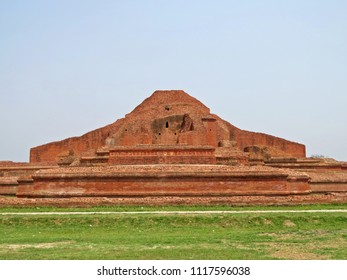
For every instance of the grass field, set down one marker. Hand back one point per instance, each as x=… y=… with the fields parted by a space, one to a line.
x=189 y=236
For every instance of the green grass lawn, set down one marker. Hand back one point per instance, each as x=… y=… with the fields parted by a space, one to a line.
x=122 y=208
x=207 y=236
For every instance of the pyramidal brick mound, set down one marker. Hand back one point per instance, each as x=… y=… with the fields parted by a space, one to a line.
x=169 y=117
x=172 y=146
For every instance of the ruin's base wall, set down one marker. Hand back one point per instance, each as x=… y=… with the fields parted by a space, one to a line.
x=150 y=155
x=164 y=180
x=8 y=190
x=22 y=171
x=328 y=187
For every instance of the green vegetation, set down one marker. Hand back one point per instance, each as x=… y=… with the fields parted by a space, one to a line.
x=121 y=208
x=189 y=236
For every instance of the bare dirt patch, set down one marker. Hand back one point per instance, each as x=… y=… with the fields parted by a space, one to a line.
x=287 y=251
x=289 y=223
x=267 y=222
x=35 y=246
x=284 y=248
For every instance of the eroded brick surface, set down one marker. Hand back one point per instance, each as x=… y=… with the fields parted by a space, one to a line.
x=166 y=118
x=172 y=149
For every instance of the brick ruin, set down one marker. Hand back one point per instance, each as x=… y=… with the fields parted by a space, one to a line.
x=167 y=118
x=171 y=145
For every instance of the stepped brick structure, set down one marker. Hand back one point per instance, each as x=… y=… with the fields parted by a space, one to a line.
x=169 y=118
x=171 y=145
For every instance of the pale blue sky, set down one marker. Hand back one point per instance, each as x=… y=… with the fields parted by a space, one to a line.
x=278 y=67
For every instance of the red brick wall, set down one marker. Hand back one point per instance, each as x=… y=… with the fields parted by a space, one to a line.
x=284 y=147
x=86 y=144
x=169 y=185
x=163 y=155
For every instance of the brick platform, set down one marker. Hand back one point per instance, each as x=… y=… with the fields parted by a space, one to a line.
x=164 y=180
x=171 y=145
